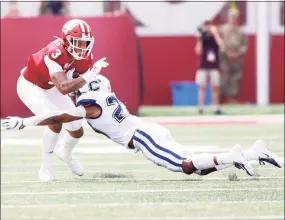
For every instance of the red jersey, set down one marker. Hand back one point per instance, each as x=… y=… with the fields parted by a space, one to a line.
x=37 y=71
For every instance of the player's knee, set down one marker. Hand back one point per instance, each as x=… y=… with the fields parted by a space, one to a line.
x=77 y=133
x=55 y=128
x=188 y=167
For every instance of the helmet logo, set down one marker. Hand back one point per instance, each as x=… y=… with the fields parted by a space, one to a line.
x=69 y=26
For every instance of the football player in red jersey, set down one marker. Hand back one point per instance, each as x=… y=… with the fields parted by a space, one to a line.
x=45 y=83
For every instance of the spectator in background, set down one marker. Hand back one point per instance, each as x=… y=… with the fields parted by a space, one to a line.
x=13 y=10
x=207 y=47
x=232 y=56
x=54 y=8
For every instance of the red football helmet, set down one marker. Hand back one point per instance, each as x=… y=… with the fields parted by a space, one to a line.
x=77 y=38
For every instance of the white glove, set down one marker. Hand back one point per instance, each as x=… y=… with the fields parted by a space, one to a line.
x=95 y=70
x=101 y=63
x=13 y=123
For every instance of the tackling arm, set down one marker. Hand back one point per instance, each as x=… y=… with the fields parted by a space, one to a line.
x=51 y=118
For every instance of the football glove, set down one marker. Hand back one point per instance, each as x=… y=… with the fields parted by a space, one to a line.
x=95 y=70
x=15 y=123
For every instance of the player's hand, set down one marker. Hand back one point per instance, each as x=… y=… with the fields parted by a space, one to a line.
x=15 y=123
x=98 y=65
x=95 y=70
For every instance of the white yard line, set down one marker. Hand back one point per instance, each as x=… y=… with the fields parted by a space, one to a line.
x=93 y=140
x=261 y=168
x=60 y=205
x=139 y=180
x=144 y=191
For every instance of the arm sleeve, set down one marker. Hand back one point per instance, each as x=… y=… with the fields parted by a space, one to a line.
x=53 y=67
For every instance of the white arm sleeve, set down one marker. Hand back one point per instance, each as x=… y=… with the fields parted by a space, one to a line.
x=53 y=67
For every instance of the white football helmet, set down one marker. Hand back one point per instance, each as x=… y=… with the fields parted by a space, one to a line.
x=97 y=84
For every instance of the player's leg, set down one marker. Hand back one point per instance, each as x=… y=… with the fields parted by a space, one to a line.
x=65 y=148
x=151 y=139
x=157 y=145
x=201 y=80
x=215 y=84
x=258 y=152
x=36 y=100
x=72 y=135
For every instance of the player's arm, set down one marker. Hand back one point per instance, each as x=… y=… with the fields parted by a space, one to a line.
x=65 y=85
x=59 y=77
x=52 y=118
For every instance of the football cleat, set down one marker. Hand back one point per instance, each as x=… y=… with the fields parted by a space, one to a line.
x=45 y=174
x=72 y=163
x=264 y=155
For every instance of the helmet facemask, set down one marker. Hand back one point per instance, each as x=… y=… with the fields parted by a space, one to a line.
x=76 y=49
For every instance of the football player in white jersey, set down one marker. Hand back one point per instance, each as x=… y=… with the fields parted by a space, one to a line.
x=107 y=115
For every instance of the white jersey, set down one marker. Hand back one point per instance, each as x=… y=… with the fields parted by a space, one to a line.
x=115 y=121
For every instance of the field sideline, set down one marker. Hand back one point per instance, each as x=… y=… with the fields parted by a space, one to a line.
x=121 y=185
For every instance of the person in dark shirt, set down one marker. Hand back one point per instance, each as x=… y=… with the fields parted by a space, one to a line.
x=207 y=48
x=54 y=7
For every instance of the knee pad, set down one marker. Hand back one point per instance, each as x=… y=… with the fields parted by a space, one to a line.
x=74 y=125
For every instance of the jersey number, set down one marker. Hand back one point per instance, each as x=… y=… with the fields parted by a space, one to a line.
x=118 y=114
x=56 y=54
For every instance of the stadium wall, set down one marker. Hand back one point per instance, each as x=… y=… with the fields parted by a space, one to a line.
x=20 y=37
x=167 y=59
x=164 y=59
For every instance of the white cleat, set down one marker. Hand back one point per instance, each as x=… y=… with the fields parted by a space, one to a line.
x=239 y=160
x=45 y=174
x=264 y=155
x=72 y=163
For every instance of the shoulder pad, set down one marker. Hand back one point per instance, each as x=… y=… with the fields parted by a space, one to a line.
x=86 y=99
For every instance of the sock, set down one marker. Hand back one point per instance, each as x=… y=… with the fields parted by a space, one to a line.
x=224 y=159
x=68 y=143
x=203 y=161
x=49 y=141
x=213 y=169
x=250 y=154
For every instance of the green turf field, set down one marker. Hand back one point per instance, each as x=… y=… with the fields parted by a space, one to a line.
x=120 y=185
x=228 y=109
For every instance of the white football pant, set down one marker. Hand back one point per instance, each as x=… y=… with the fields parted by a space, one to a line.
x=157 y=145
